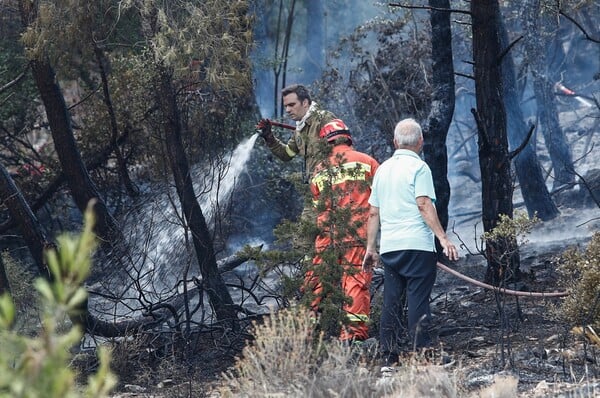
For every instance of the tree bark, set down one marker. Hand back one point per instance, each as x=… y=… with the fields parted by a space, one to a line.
x=4 y=284
x=529 y=172
x=543 y=86
x=442 y=107
x=494 y=161
x=219 y=296
x=121 y=164
x=28 y=225
x=82 y=188
x=78 y=179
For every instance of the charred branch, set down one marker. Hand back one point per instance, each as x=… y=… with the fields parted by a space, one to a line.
x=430 y=8
x=464 y=75
x=507 y=49
x=158 y=313
x=16 y=80
x=97 y=161
x=581 y=28
x=132 y=190
x=513 y=154
x=230 y=263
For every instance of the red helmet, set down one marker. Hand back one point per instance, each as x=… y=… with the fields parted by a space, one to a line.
x=335 y=129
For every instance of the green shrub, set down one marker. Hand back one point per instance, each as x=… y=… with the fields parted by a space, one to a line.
x=39 y=366
x=580 y=274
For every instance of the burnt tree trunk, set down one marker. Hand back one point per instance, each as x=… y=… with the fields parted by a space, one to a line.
x=4 y=284
x=219 y=296
x=81 y=185
x=82 y=188
x=494 y=162
x=527 y=167
x=543 y=86
x=31 y=230
x=442 y=107
x=121 y=163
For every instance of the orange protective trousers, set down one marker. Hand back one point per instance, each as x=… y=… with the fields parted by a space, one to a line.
x=356 y=286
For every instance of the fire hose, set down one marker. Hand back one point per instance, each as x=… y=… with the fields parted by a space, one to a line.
x=500 y=289
x=285 y=126
x=262 y=124
x=560 y=88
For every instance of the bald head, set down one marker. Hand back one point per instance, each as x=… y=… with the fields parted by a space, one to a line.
x=408 y=135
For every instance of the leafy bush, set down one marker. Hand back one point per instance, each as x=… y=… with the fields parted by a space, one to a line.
x=39 y=366
x=502 y=245
x=580 y=274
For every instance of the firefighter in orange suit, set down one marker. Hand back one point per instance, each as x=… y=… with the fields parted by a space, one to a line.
x=341 y=185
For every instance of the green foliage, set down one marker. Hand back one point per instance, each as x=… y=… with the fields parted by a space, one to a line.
x=580 y=275
x=203 y=45
x=516 y=228
x=503 y=241
x=16 y=102
x=39 y=366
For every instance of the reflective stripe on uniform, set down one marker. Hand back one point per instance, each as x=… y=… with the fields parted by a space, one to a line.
x=351 y=171
x=289 y=151
x=357 y=317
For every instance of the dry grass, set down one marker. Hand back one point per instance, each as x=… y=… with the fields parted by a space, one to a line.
x=580 y=273
x=286 y=359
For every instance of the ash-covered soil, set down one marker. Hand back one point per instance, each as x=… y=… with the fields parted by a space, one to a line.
x=488 y=334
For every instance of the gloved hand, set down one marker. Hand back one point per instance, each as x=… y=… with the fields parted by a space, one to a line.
x=264 y=128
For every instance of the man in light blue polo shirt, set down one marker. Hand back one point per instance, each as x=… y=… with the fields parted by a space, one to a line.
x=402 y=203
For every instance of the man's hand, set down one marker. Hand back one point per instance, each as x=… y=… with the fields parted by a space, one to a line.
x=264 y=129
x=449 y=249
x=370 y=261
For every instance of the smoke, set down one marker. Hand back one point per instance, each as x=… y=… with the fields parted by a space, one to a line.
x=317 y=26
x=574 y=60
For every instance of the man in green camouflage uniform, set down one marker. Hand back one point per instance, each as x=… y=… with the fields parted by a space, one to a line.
x=309 y=118
x=305 y=141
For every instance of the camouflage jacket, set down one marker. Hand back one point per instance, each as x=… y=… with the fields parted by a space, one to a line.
x=304 y=142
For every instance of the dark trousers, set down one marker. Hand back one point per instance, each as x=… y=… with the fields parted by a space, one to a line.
x=410 y=274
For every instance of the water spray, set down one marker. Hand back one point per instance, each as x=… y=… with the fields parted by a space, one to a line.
x=559 y=87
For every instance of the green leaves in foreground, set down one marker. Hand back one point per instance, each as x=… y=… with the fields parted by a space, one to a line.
x=39 y=366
